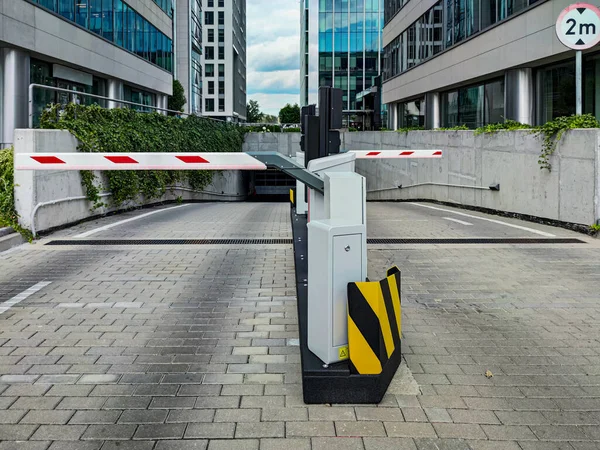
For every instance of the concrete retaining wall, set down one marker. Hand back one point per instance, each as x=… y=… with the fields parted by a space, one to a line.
x=285 y=143
x=569 y=193
x=55 y=197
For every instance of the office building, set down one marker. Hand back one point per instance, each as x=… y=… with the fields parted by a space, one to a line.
x=188 y=54
x=341 y=47
x=224 y=59
x=120 y=49
x=475 y=62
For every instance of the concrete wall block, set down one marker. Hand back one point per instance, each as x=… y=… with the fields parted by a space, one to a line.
x=577 y=191
x=578 y=144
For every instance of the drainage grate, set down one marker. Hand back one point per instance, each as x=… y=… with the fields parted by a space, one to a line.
x=478 y=241
x=107 y=242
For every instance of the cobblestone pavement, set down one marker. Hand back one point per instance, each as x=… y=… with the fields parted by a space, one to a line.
x=192 y=347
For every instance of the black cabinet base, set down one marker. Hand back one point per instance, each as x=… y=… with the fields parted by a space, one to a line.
x=334 y=383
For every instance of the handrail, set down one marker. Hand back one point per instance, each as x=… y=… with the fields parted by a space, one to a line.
x=494 y=187
x=33 y=86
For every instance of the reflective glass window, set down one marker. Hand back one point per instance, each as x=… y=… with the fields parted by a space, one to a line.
x=66 y=8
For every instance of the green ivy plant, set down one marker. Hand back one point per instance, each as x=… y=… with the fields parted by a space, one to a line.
x=554 y=130
x=454 y=128
x=126 y=130
x=8 y=213
x=507 y=125
x=407 y=129
x=595 y=228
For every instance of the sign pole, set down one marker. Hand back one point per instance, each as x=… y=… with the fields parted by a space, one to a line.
x=578 y=82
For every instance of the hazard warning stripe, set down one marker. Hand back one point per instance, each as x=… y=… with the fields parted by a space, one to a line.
x=374 y=323
x=396 y=154
x=137 y=161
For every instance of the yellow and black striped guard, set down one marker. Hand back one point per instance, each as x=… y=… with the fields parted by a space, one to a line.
x=374 y=323
x=292 y=197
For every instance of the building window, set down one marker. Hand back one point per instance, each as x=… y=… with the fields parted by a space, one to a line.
x=209 y=52
x=211 y=88
x=456 y=19
x=221 y=52
x=221 y=18
x=411 y=114
x=211 y=35
x=136 y=95
x=221 y=105
x=474 y=106
x=209 y=105
x=556 y=87
x=209 y=70
x=209 y=18
x=221 y=87
x=221 y=35
x=117 y=22
x=211 y=3
x=221 y=3
x=221 y=70
x=196 y=75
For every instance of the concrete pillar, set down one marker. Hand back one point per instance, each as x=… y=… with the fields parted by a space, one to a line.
x=162 y=101
x=519 y=95
x=432 y=110
x=115 y=90
x=15 y=92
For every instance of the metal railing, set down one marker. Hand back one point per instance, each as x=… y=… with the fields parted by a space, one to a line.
x=493 y=187
x=34 y=86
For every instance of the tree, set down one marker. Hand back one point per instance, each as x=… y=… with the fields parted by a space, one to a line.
x=290 y=114
x=177 y=101
x=253 y=114
x=268 y=118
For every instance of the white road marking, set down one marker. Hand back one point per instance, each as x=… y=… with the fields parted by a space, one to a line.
x=458 y=221
x=116 y=224
x=23 y=295
x=531 y=230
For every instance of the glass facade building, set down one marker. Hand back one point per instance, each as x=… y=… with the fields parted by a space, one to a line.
x=347 y=36
x=119 y=23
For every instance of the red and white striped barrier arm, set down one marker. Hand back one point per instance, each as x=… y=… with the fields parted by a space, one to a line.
x=137 y=161
x=396 y=154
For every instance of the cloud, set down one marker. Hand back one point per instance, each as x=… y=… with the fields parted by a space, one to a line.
x=281 y=54
x=277 y=82
x=273 y=63
x=272 y=103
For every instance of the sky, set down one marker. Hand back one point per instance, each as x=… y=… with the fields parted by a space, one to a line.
x=273 y=53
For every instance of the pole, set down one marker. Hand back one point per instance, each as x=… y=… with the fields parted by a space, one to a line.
x=578 y=83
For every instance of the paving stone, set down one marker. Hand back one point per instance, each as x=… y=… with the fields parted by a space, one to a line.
x=379 y=414
x=287 y=443
x=172 y=403
x=237 y=415
x=25 y=390
x=478 y=416
x=11 y=416
x=362 y=428
x=128 y=445
x=243 y=389
x=160 y=431
x=21 y=445
x=329 y=413
x=401 y=429
x=76 y=403
x=109 y=432
x=16 y=432
x=98 y=379
x=182 y=445
x=217 y=402
x=284 y=414
x=437 y=415
x=559 y=433
x=95 y=417
x=43 y=403
x=140 y=416
x=375 y=443
x=309 y=429
x=260 y=430
x=127 y=403
x=210 y=430
x=238 y=444
x=69 y=391
x=459 y=431
x=328 y=443
x=58 y=433
x=508 y=432
x=442 y=444
x=191 y=416
x=414 y=415
x=495 y=445
x=215 y=378
x=45 y=418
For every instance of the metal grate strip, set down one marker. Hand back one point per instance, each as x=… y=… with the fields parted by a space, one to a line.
x=109 y=242
x=406 y=241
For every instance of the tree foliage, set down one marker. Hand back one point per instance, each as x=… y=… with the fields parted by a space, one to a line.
x=253 y=114
x=289 y=114
x=125 y=130
x=177 y=101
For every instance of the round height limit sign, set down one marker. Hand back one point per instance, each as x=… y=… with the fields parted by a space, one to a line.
x=578 y=26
